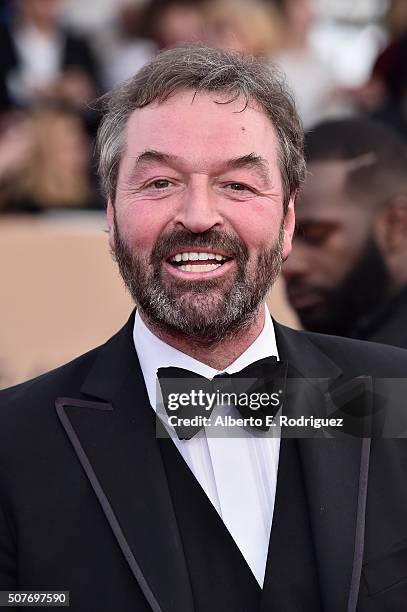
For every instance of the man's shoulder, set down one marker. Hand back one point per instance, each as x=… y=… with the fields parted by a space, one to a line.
x=355 y=357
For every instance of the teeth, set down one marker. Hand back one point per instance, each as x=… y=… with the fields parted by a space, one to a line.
x=193 y=256
x=199 y=267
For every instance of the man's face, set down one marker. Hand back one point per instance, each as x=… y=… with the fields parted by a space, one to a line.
x=197 y=226
x=335 y=272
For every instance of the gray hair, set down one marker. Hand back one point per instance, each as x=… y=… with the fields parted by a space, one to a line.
x=203 y=69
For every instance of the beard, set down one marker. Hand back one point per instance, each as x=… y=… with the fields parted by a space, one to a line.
x=206 y=311
x=363 y=290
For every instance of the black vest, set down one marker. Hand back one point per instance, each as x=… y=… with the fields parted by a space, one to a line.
x=220 y=577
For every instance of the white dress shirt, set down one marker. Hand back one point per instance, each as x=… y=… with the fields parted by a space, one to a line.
x=239 y=474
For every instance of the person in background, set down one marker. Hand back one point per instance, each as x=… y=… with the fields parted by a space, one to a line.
x=15 y=152
x=45 y=163
x=248 y=26
x=41 y=62
x=384 y=95
x=315 y=89
x=123 y=47
x=169 y=23
x=347 y=274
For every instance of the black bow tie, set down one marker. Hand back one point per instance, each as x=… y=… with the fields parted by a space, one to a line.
x=266 y=376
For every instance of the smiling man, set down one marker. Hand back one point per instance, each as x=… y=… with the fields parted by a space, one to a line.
x=201 y=160
x=198 y=220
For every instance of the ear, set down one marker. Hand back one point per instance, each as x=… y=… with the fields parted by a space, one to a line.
x=110 y=222
x=289 y=226
x=391 y=227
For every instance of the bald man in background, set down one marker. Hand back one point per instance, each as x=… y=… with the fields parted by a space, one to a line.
x=347 y=274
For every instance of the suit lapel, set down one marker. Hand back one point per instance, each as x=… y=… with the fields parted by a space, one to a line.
x=335 y=476
x=115 y=441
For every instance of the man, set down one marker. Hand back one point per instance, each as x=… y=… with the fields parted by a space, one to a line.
x=347 y=274
x=201 y=158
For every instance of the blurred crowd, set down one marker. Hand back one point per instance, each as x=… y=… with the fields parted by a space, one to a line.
x=58 y=56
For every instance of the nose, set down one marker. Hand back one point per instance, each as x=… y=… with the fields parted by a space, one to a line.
x=296 y=265
x=198 y=211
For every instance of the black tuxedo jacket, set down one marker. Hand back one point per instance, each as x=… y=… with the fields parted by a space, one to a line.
x=85 y=506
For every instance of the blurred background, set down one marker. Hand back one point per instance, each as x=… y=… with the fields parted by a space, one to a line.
x=61 y=294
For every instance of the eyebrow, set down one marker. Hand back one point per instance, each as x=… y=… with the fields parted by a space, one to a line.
x=150 y=155
x=251 y=160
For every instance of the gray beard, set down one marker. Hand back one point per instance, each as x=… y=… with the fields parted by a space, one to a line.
x=204 y=312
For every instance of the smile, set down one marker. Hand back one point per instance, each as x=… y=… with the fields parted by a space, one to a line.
x=197 y=261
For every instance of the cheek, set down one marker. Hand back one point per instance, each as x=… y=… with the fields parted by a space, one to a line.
x=141 y=225
x=338 y=257
x=257 y=225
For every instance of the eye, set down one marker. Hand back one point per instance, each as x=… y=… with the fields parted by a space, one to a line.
x=314 y=234
x=238 y=187
x=160 y=184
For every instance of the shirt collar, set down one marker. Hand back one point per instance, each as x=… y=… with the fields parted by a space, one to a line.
x=153 y=353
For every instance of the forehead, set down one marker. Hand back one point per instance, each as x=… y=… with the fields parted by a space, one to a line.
x=324 y=195
x=202 y=129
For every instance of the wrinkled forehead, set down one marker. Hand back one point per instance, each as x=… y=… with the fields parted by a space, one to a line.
x=202 y=125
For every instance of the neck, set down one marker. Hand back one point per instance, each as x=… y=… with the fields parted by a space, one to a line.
x=218 y=356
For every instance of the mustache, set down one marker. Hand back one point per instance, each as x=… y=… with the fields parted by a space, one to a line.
x=213 y=239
